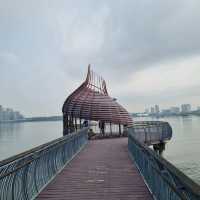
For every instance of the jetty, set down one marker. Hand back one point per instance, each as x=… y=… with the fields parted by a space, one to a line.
x=103 y=154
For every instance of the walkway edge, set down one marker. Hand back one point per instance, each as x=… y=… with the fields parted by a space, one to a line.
x=134 y=163
x=59 y=171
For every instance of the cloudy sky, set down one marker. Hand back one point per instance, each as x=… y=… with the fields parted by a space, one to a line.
x=148 y=51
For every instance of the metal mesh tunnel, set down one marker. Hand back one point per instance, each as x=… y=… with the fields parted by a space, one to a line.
x=90 y=101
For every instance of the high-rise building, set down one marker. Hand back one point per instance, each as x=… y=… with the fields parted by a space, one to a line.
x=175 y=110
x=152 y=110
x=157 y=109
x=185 y=108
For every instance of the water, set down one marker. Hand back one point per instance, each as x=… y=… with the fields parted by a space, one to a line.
x=183 y=150
x=19 y=137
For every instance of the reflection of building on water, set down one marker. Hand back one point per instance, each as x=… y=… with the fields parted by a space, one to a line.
x=9 y=128
x=9 y=114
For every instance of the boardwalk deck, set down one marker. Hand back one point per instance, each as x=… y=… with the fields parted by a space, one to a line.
x=103 y=170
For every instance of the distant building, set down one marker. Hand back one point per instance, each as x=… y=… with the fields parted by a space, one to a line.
x=157 y=109
x=185 y=108
x=175 y=110
x=1 y=113
x=17 y=115
x=9 y=114
x=152 y=110
x=4 y=115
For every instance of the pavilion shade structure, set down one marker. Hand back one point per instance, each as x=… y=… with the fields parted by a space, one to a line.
x=91 y=101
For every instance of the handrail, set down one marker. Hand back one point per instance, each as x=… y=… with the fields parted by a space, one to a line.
x=151 y=132
x=164 y=180
x=23 y=176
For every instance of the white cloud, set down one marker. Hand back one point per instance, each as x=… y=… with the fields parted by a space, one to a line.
x=166 y=77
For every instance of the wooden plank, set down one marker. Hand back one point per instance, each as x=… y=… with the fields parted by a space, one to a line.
x=103 y=170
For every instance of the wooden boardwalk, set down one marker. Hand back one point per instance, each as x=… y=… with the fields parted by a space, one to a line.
x=103 y=170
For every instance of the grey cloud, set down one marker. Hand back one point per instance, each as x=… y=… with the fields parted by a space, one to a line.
x=146 y=32
x=54 y=41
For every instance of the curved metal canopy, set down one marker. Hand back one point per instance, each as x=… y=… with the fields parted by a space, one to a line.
x=91 y=101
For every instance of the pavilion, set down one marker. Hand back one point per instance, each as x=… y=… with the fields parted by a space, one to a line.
x=91 y=102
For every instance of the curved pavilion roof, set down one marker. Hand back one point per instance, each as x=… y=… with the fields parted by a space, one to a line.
x=91 y=101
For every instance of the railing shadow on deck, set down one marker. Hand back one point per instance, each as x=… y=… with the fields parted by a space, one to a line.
x=164 y=180
x=23 y=176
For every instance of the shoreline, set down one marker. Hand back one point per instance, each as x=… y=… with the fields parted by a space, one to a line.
x=33 y=119
x=60 y=118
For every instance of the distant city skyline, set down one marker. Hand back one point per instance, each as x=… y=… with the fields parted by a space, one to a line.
x=9 y=114
x=184 y=108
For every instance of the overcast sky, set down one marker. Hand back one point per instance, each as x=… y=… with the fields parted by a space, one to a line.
x=147 y=50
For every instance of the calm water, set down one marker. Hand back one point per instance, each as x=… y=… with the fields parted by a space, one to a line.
x=18 y=137
x=183 y=150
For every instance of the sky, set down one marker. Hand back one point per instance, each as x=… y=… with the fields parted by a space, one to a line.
x=148 y=52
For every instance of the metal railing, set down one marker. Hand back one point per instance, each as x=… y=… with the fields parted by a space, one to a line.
x=23 y=176
x=164 y=180
x=151 y=132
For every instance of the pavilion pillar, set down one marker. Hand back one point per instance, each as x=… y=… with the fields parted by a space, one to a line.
x=120 y=131
x=71 y=123
x=73 y=127
x=66 y=129
x=65 y=124
x=76 y=124
x=80 y=123
x=110 y=128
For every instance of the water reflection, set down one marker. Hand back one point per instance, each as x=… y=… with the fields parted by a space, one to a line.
x=9 y=129
x=18 y=137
